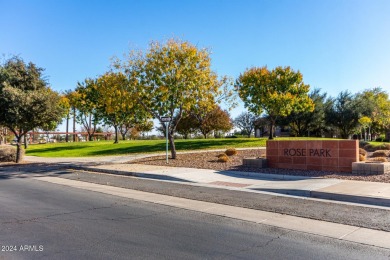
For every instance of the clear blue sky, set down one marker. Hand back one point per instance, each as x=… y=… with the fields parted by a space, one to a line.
x=336 y=44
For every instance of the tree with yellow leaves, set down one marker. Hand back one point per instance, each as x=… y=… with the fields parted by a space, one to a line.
x=365 y=122
x=117 y=104
x=375 y=105
x=172 y=78
x=276 y=92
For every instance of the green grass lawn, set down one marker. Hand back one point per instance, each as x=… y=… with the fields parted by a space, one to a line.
x=103 y=148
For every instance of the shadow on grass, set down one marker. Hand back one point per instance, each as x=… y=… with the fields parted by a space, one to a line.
x=129 y=150
x=213 y=143
x=56 y=149
x=142 y=147
x=181 y=145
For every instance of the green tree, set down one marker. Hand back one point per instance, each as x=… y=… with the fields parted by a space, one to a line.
x=2 y=134
x=344 y=113
x=308 y=123
x=26 y=100
x=171 y=79
x=365 y=123
x=277 y=92
x=69 y=106
x=130 y=127
x=246 y=123
x=375 y=104
x=86 y=102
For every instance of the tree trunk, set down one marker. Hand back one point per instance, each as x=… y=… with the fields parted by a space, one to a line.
x=172 y=145
x=25 y=141
x=90 y=138
x=74 y=124
x=123 y=136
x=271 y=131
x=18 y=149
x=344 y=134
x=116 y=134
x=369 y=133
x=67 y=128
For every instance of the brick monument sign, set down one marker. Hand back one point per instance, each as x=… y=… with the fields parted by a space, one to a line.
x=326 y=155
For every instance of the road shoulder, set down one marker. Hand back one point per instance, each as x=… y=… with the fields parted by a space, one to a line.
x=333 y=230
x=342 y=213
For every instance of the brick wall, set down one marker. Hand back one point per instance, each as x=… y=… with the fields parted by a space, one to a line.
x=327 y=155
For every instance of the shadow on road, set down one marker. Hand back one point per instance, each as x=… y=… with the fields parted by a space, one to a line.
x=32 y=170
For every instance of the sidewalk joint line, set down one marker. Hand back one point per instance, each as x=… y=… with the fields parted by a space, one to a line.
x=342 y=237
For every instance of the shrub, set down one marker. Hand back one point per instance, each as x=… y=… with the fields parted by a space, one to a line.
x=363 y=143
x=362 y=151
x=380 y=153
x=380 y=138
x=223 y=158
x=362 y=158
x=8 y=153
x=221 y=155
x=369 y=147
x=378 y=159
x=231 y=152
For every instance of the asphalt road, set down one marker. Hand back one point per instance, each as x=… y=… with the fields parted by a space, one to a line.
x=342 y=213
x=51 y=221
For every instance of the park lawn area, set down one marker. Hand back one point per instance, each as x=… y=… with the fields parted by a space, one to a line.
x=373 y=146
x=104 y=148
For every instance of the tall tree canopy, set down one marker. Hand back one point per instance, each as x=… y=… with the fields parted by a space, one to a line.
x=26 y=100
x=308 y=122
x=344 y=113
x=277 y=92
x=375 y=104
x=85 y=100
x=170 y=79
x=117 y=104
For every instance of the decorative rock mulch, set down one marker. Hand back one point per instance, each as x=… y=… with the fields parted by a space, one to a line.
x=208 y=160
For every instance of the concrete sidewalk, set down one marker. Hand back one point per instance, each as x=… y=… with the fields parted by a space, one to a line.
x=370 y=193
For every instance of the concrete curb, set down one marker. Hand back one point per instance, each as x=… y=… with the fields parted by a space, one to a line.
x=271 y=176
x=233 y=173
x=125 y=173
x=384 y=202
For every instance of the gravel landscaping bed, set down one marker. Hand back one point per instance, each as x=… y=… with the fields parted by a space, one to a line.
x=208 y=160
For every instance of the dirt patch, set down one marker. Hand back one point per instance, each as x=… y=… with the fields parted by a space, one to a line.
x=208 y=160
